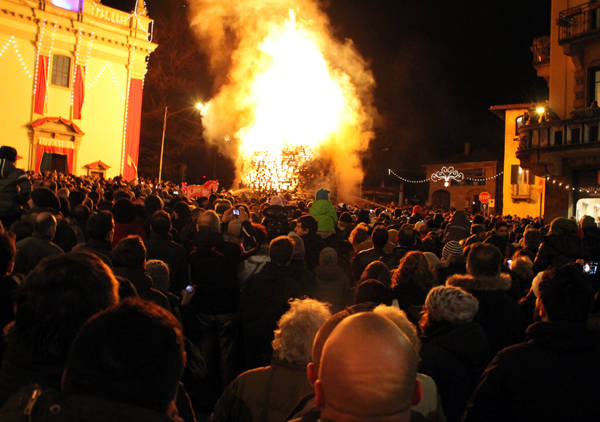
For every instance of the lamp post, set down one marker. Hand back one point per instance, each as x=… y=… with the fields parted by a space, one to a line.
x=198 y=106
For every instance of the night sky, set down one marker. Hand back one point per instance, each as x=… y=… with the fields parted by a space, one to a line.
x=439 y=66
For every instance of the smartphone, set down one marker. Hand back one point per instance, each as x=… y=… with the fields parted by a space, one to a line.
x=189 y=288
x=236 y=213
x=175 y=192
x=590 y=267
x=370 y=211
x=508 y=262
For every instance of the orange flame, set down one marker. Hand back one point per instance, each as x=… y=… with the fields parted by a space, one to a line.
x=293 y=92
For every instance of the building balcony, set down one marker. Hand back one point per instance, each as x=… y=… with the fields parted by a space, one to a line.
x=541 y=56
x=579 y=23
x=550 y=146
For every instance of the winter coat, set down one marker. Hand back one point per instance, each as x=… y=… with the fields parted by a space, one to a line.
x=552 y=376
x=263 y=394
x=275 y=221
x=364 y=258
x=313 y=244
x=591 y=244
x=174 y=255
x=325 y=214
x=557 y=250
x=122 y=230
x=31 y=250
x=499 y=314
x=454 y=356
x=213 y=266
x=52 y=406
x=14 y=189
x=101 y=248
x=143 y=285
x=333 y=286
x=263 y=302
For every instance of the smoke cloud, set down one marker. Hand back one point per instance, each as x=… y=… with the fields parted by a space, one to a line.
x=231 y=34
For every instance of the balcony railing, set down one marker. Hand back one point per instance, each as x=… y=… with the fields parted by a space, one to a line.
x=580 y=21
x=581 y=130
x=541 y=50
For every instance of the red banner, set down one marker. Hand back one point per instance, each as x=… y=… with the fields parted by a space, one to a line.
x=40 y=89
x=132 y=140
x=78 y=91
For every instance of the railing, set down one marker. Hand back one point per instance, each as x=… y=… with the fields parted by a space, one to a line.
x=579 y=21
x=582 y=130
x=541 y=50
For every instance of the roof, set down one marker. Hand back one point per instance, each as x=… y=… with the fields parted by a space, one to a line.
x=97 y=164
x=499 y=110
x=65 y=122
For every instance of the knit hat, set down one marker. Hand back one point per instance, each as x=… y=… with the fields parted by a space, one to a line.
x=451 y=248
x=418 y=210
x=8 y=153
x=322 y=194
x=328 y=256
x=452 y=304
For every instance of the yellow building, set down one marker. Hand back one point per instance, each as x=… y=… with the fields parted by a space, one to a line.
x=562 y=142
x=72 y=73
x=522 y=191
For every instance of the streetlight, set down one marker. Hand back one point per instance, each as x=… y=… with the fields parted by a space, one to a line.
x=198 y=106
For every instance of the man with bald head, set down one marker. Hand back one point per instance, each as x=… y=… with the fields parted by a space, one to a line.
x=32 y=249
x=368 y=371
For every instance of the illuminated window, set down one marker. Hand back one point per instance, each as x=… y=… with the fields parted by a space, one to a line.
x=61 y=66
x=594 y=85
x=73 y=5
x=519 y=122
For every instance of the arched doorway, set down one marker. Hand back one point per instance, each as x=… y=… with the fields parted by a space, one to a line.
x=441 y=198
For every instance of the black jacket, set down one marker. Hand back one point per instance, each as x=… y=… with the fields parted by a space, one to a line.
x=14 y=188
x=558 y=250
x=262 y=303
x=454 y=356
x=31 y=250
x=552 y=376
x=499 y=314
x=173 y=254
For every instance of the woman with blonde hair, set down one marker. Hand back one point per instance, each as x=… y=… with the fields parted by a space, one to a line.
x=360 y=238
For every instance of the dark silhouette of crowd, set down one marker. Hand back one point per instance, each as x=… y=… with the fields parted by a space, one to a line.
x=128 y=301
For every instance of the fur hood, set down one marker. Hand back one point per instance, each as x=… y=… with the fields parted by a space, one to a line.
x=468 y=282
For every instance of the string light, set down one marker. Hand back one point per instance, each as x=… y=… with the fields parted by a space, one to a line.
x=592 y=190
x=440 y=173
x=52 y=38
x=115 y=80
x=90 y=86
x=130 y=65
x=77 y=48
x=37 y=56
x=12 y=41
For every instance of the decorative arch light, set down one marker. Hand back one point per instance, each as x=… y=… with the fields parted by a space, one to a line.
x=446 y=174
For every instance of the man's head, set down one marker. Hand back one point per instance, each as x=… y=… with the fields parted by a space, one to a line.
x=280 y=250
x=379 y=237
x=565 y=294
x=501 y=229
x=160 y=223
x=484 y=259
x=367 y=372
x=130 y=253
x=131 y=353
x=307 y=224
x=45 y=225
x=57 y=297
x=8 y=153
x=296 y=330
x=159 y=273
x=100 y=226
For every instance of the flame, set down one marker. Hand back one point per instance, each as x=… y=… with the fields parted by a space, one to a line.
x=292 y=93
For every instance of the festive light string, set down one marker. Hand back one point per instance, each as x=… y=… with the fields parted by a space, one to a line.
x=129 y=70
x=77 y=48
x=588 y=189
x=116 y=81
x=37 y=56
x=91 y=85
x=125 y=20
x=474 y=179
x=52 y=38
x=12 y=41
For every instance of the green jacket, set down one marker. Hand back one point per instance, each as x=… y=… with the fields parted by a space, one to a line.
x=325 y=214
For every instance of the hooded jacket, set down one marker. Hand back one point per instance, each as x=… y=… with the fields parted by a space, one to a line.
x=325 y=214
x=499 y=314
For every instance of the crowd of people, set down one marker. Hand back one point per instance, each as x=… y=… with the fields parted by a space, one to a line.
x=129 y=301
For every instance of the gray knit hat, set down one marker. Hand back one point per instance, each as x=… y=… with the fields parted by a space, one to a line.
x=452 y=304
x=452 y=248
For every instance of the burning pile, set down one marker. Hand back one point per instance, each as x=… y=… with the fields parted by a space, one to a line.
x=291 y=93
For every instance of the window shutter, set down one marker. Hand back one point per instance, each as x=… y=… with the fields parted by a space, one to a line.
x=514 y=175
